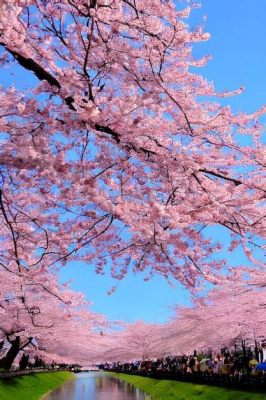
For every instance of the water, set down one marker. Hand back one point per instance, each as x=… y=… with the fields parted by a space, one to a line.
x=96 y=386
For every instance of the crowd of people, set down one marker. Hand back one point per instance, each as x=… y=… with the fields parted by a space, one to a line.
x=224 y=367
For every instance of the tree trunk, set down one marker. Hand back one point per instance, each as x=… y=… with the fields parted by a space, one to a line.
x=7 y=361
x=2 y=342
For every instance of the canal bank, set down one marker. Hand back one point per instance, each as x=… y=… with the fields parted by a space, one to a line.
x=161 y=389
x=32 y=387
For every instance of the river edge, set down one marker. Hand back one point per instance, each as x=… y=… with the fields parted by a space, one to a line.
x=34 y=386
x=160 y=389
x=45 y=395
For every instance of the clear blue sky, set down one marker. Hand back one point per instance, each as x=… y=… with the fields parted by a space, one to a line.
x=238 y=49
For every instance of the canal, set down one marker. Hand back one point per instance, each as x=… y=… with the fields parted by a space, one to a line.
x=96 y=386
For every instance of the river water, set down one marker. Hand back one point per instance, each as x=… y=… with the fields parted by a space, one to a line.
x=96 y=386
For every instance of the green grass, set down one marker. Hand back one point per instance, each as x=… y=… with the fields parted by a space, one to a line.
x=32 y=387
x=174 y=390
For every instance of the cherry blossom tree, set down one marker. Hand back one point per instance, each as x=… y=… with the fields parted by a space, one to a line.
x=218 y=320
x=136 y=341
x=38 y=321
x=223 y=318
x=110 y=155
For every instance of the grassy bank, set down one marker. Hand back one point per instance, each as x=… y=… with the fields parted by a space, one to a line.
x=32 y=387
x=174 y=390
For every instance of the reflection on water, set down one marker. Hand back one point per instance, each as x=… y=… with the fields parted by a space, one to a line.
x=97 y=386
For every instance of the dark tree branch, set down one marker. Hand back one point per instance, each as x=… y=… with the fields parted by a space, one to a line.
x=218 y=175
x=31 y=65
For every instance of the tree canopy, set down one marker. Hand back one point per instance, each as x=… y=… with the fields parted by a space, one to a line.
x=119 y=154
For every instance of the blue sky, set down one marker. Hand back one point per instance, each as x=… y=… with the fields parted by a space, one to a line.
x=238 y=50
x=237 y=47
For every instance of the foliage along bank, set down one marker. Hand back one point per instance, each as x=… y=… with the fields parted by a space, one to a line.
x=174 y=390
x=32 y=387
